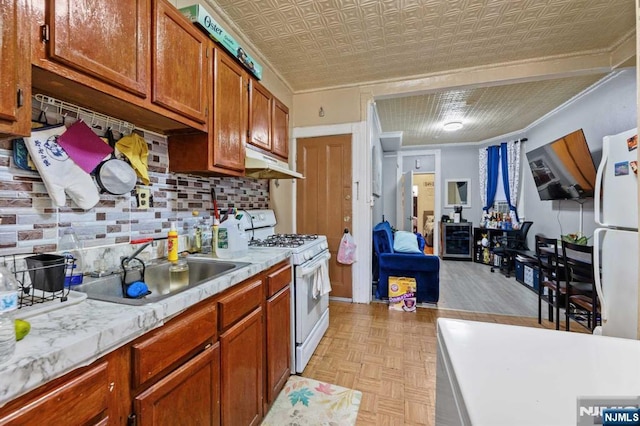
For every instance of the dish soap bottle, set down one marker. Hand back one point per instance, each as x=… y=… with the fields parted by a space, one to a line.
x=196 y=234
x=8 y=304
x=214 y=232
x=207 y=236
x=172 y=243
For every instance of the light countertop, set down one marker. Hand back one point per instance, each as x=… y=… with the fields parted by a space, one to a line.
x=74 y=336
x=508 y=375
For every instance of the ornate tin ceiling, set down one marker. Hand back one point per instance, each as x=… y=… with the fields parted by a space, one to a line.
x=319 y=44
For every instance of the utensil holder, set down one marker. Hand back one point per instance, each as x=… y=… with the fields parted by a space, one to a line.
x=46 y=271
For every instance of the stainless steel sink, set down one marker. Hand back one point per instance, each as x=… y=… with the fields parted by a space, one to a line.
x=157 y=279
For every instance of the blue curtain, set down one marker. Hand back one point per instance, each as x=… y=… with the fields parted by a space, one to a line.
x=493 y=160
x=505 y=178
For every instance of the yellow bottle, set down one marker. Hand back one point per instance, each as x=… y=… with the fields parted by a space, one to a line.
x=214 y=242
x=172 y=243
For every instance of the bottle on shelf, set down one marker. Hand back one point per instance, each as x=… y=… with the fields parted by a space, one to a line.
x=71 y=248
x=8 y=305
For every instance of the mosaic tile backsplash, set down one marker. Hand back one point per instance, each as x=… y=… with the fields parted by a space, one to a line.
x=31 y=224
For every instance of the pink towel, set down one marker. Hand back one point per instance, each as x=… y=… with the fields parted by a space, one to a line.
x=84 y=147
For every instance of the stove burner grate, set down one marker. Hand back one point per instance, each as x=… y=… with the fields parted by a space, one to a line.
x=283 y=240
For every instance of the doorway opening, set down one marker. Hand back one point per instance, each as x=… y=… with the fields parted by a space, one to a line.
x=424 y=207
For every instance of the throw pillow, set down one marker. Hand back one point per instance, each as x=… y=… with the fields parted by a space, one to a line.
x=405 y=242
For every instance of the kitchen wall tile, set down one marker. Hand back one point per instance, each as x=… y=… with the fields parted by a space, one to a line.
x=30 y=223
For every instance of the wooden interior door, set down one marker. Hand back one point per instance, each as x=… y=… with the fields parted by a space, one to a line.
x=324 y=198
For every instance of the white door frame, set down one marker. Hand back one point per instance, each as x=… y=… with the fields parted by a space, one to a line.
x=361 y=223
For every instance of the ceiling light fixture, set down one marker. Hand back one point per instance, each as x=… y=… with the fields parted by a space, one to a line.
x=452 y=125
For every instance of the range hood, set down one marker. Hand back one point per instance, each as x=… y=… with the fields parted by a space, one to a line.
x=262 y=166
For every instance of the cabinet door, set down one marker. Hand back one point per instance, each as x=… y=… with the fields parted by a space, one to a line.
x=84 y=399
x=242 y=371
x=230 y=113
x=180 y=63
x=15 y=69
x=280 y=132
x=259 y=116
x=278 y=343
x=108 y=40
x=190 y=395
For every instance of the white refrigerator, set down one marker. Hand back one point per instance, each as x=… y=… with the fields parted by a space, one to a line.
x=616 y=238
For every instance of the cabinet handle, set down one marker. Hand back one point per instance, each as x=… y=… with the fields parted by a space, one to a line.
x=44 y=32
x=111 y=386
x=20 y=98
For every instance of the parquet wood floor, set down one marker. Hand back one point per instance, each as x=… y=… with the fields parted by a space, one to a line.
x=390 y=357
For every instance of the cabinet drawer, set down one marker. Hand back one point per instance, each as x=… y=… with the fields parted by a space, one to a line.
x=240 y=302
x=174 y=341
x=278 y=278
x=81 y=400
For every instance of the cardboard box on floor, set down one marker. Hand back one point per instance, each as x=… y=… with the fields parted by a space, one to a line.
x=402 y=294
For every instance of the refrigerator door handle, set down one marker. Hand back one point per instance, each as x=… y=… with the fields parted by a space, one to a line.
x=596 y=273
x=598 y=190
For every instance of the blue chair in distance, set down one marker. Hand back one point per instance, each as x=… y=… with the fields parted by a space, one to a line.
x=424 y=268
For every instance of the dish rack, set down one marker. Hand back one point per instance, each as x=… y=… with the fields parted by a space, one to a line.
x=29 y=295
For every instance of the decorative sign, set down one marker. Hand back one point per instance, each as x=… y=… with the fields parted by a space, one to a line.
x=199 y=15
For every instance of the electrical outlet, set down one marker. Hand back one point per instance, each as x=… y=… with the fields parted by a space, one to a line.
x=143 y=196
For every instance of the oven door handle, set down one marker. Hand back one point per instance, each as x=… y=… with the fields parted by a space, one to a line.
x=314 y=265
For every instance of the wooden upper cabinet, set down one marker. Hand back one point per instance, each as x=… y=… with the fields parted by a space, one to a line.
x=230 y=113
x=108 y=40
x=181 y=67
x=280 y=130
x=259 y=116
x=15 y=70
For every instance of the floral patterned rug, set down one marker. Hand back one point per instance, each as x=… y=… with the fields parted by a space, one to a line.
x=305 y=401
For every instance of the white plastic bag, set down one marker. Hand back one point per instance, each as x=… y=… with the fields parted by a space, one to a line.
x=347 y=249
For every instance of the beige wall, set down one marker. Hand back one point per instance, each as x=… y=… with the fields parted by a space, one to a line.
x=340 y=106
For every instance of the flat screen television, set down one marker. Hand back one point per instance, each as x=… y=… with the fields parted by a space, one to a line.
x=563 y=169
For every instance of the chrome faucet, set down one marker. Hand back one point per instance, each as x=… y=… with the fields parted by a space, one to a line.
x=124 y=260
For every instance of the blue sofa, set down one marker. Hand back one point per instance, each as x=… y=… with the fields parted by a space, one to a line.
x=424 y=268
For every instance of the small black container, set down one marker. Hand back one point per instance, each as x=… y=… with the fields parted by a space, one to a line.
x=46 y=271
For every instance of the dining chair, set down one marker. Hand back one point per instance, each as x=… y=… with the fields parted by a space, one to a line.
x=551 y=289
x=581 y=297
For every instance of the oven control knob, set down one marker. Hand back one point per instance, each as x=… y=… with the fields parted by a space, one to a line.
x=308 y=254
x=324 y=246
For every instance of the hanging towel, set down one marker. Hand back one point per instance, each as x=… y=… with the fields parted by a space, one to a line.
x=84 y=147
x=321 y=282
x=135 y=148
x=58 y=172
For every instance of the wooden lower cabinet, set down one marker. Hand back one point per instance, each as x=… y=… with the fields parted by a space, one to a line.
x=278 y=343
x=189 y=395
x=223 y=361
x=92 y=395
x=241 y=348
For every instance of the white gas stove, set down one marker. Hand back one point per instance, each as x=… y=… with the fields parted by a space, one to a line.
x=309 y=257
x=259 y=225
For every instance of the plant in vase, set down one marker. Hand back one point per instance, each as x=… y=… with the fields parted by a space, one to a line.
x=576 y=239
